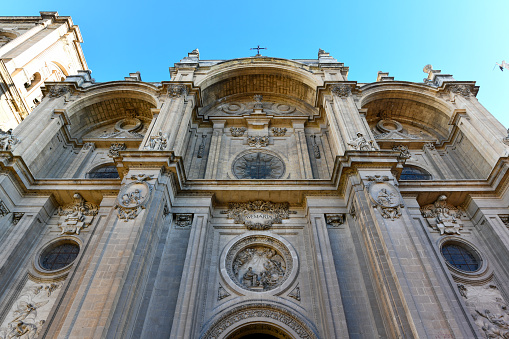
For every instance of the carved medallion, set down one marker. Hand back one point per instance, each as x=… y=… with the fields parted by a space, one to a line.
x=132 y=196
x=258 y=165
x=385 y=197
x=259 y=263
x=443 y=216
x=259 y=214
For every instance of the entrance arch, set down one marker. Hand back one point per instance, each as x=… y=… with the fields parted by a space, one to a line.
x=259 y=331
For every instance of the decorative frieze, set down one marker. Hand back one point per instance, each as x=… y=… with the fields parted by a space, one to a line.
x=385 y=196
x=258 y=141
x=360 y=143
x=16 y=217
x=132 y=196
x=443 y=216
x=183 y=220
x=76 y=216
x=237 y=131
x=259 y=214
x=115 y=149
x=279 y=131
x=335 y=220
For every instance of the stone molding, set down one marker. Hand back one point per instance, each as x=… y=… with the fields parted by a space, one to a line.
x=269 y=312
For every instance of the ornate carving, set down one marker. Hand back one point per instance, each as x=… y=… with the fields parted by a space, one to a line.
x=115 y=149
x=342 y=90
x=76 y=216
x=201 y=148
x=316 y=149
x=430 y=146
x=505 y=219
x=237 y=131
x=295 y=293
x=27 y=316
x=259 y=310
x=259 y=263
x=442 y=216
x=360 y=143
x=258 y=141
x=385 y=197
x=506 y=139
x=259 y=214
x=7 y=140
x=58 y=91
x=244 y=167
x=353 y=212
x=132 y=196
x=183 y=220
x=488 y=308
x=176 y=91
x=88 y=145
x=463 y=90
x=404 y=152
x=258 y=101
x=222 y=293
x=334 y=220
x=158 y=142
x=279 y=131
x=16 y=217
x=166 y=211
x=3 y=209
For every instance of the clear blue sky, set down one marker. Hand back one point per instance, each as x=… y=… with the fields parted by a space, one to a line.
x=462 y=38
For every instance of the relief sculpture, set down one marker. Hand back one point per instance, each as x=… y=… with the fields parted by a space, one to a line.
x=259 y=268
x=76 y=216
x=443 y=216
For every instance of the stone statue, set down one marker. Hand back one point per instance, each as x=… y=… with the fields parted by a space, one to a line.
x=360 y=143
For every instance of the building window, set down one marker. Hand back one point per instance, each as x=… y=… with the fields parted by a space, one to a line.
x=59 y=256
x=104 y=172
x=414 y=173
x=258 y=165
x=460 y=257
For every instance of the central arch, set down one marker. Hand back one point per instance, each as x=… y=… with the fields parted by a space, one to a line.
x=259 y=331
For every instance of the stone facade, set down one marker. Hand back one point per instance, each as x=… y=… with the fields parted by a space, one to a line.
x=255 y=195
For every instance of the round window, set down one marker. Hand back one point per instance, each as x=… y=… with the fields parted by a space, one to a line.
x=258 y=165
x=461 y=257
x=59 y=256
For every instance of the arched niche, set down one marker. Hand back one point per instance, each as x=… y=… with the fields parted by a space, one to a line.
x=258 y=76
x=409 y=106
x=104 y=106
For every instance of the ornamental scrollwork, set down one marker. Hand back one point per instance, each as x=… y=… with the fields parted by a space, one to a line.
x=237 y=131
x=404 y=153
x=258 y=141
x=279 y=131
x=259 y=214
x=76 y=216
x=115 y=149
x=443 y=216
x=58 y=91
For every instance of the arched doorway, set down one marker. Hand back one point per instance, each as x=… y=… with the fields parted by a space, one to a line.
x=259 y=331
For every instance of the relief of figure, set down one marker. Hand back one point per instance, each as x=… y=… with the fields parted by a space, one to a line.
x=250 y=278
x=7 y=140
x=384 y=198
x=360 y=143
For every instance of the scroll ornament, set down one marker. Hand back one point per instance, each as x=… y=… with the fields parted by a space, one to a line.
x=259 y=214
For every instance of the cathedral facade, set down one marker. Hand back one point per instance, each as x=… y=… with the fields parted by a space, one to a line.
x=255 y=198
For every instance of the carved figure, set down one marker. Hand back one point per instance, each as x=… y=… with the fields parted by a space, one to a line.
x=250 y=278
x=76 y=216
x=360 y=143
x=7 y=140
x=445 y=216
x=158 y=142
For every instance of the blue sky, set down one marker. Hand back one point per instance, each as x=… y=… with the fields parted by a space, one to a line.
x=462 y=38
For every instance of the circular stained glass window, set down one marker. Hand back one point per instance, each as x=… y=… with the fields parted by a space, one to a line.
x=460 y=257
x=57 y=257
x=258 y=165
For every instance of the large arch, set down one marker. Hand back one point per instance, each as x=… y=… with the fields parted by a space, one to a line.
x=416 y=105
x=274 y=319
x=270 y=76
x=107 y=103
